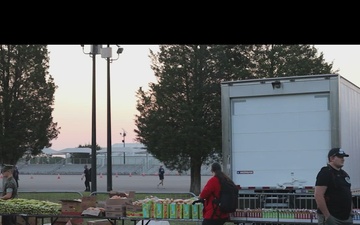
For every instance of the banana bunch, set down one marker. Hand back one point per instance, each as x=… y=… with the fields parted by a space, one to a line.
x=29 y=206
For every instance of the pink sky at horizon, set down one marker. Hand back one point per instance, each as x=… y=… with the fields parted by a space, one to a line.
x=72 y=73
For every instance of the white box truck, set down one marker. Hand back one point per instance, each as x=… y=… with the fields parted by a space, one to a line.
x=277 y=132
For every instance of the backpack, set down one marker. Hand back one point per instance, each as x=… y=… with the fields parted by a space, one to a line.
x=228 y=200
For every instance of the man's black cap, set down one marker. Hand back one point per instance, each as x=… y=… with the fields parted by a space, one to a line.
x=337 y=152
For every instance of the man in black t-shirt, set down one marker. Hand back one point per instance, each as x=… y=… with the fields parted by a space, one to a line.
x=161 y=176
x=87 y=176
x=333 y=191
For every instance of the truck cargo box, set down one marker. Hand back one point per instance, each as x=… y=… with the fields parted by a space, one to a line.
x=277 y=131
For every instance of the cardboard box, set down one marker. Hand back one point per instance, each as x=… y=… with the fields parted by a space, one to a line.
x=119 y=201
x=88 y=201
x=99 y=222
x=101 y=204
x=134 y=211
x=115 y=214
x=71 y=206
x=115 y=208
x=131 y=194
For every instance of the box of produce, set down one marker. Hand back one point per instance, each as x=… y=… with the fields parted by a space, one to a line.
x=166 y=210
x=88 y=201
x=201 y=208
x=176 y=210
x=187 y=213
x=195 y=211
x=134 y=211
x=71 y=205
x=158 y=210
x=146 y=209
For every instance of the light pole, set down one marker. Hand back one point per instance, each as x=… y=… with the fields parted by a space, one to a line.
x=123 y=141
x=95 y=50
x=107 y=53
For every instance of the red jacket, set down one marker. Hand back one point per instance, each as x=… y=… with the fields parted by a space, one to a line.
x=211 y=188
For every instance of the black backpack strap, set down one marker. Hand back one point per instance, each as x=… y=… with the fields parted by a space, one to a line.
x=215 y=206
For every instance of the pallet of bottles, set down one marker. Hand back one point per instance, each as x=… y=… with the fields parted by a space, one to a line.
x=282 y=215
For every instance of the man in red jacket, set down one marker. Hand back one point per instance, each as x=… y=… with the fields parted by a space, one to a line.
x=208 y=194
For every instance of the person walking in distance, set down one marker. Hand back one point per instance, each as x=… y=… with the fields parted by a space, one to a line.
x=161 y=176
x=87 y=176
x=10 y=191
x=333 y=191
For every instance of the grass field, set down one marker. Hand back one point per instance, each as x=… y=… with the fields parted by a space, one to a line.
x=58 y=196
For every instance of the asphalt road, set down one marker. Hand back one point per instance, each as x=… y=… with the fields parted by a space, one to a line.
x=138 y=183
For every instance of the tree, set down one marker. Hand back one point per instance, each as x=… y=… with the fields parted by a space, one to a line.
x=26 y=101
x=179 y=117
x=289 y=60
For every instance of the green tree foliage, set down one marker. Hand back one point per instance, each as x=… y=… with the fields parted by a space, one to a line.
x=26 y=101
x=179 y=117
x=288 y=60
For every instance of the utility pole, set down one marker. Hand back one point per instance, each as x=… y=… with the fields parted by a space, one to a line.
x=123 y=141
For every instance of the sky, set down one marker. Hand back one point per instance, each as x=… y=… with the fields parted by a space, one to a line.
x=72 y=71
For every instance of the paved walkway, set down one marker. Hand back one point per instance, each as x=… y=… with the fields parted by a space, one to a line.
x=138 y=183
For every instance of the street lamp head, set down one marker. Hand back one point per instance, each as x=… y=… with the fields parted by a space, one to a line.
x=120 y=50
x=94 y=50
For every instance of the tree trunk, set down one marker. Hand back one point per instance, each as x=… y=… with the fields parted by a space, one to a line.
x=195 y=177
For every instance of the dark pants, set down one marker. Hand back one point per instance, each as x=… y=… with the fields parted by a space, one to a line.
x=334 y=221
x=214 y=221
x=87 y=185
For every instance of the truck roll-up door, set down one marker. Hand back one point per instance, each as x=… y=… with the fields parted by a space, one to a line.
x=279 y=140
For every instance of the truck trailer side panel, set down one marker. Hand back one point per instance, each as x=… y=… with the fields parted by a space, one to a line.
x=350 y=130
x=277 y=131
